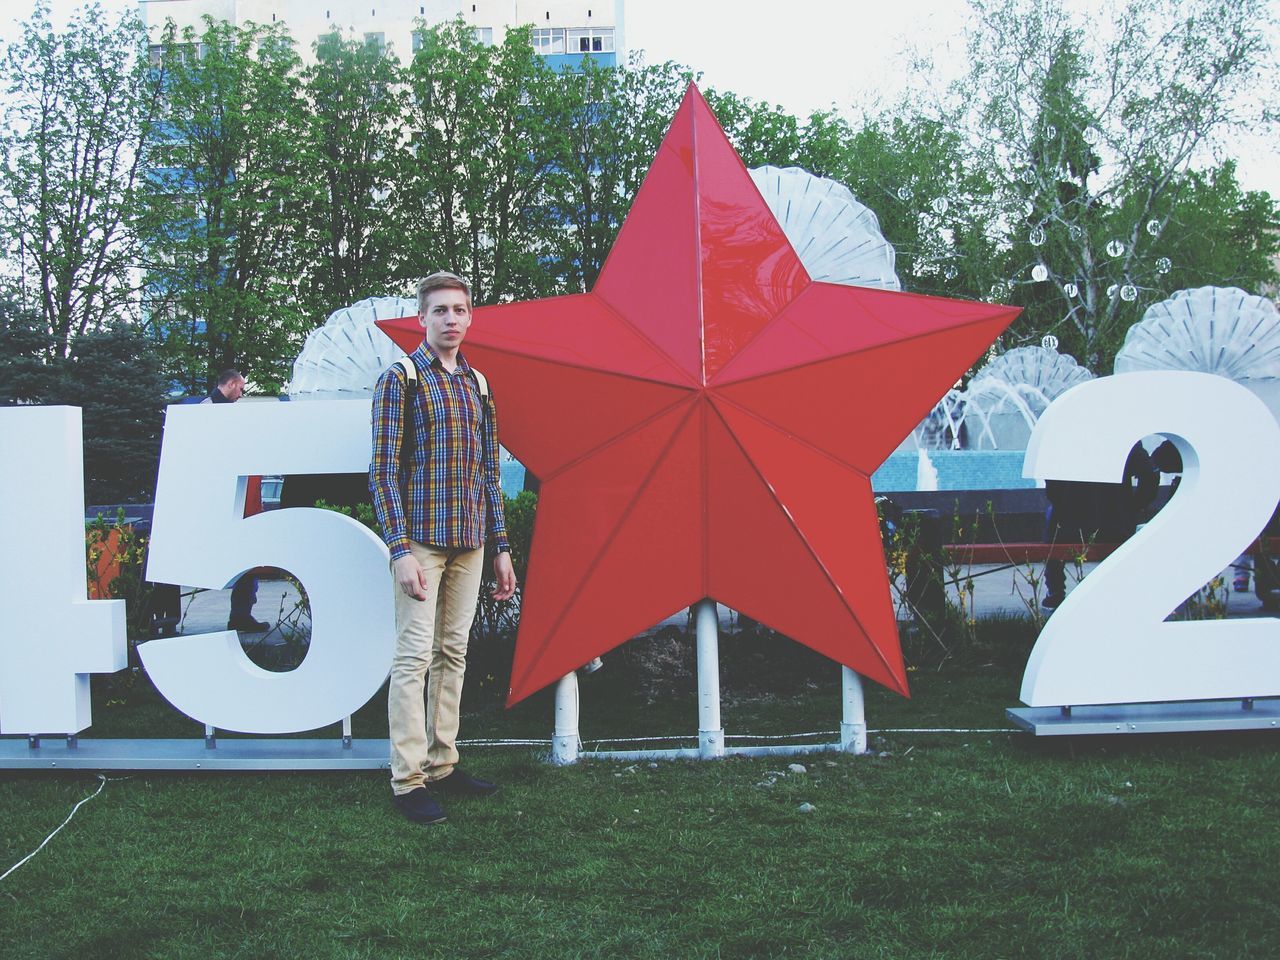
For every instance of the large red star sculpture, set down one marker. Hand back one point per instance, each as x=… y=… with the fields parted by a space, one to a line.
x=706 y=420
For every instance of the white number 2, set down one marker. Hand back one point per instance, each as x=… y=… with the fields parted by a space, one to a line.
x=1108 y=642
x=201 y=538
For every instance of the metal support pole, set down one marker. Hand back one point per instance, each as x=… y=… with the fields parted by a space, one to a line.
x=710 y=733
x=346 y=732
x=565 y=743
x=33 y=742
x=853 y=723
x=73 y=741
x=210 y=738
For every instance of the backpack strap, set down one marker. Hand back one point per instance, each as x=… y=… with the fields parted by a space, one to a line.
x=406 y=423
x=411 y=375
x=406 y=438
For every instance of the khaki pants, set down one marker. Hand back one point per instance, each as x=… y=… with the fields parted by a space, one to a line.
x=431 y=651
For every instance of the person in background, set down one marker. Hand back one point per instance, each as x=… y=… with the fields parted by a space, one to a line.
x=1082 y=512
x=229 y=389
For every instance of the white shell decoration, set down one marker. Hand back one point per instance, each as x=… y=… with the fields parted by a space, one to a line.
x=1045 y=370
x=1005 y=398
x=1220 y=330
x=837 y=238
x=344 y=358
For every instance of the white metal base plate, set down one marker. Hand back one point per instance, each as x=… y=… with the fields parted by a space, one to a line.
x=239 y=753
x=1184 y=716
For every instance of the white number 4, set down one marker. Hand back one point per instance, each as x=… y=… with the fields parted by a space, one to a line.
x=51 y=635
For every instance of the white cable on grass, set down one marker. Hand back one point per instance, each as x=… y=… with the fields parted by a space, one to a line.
x=946 y=730
x=597 y=744
x=730 y=736
x=793 y=736
x=101 y=785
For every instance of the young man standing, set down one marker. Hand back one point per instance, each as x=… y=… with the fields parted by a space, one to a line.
x=439 y=502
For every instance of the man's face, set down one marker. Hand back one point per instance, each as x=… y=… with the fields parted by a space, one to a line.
x=234 y=389
x=446 y=319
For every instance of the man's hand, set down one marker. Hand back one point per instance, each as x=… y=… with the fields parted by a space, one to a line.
x=506 y=574
x=410 y=577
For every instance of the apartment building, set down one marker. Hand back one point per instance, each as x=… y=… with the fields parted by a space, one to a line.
x=564 y=31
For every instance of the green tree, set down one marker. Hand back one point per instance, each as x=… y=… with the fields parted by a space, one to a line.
x=474 y=195
x=1218 y=233
x=913 y=172
x=611 y=121
x=762 y=133
x=27 y=356
x=114 y=375
x=78 y=104
x=227 y=185
x=1090 y=134
x=354 y=91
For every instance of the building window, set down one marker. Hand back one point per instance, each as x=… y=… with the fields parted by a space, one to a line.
x=591 y=40
x=273 y=44
x=548 y=40
x=327 y=44
x=158 y=53
x=419 y=38
x=484 y=36
x=376 y=41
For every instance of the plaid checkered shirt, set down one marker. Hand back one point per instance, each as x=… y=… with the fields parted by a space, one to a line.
x=452 y=496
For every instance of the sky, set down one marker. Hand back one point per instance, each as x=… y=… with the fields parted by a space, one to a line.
x=804 y=56
x=840 y=52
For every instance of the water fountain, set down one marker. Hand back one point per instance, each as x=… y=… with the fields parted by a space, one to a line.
x=343 y=358
x=1220 y=330
x=1008 y=394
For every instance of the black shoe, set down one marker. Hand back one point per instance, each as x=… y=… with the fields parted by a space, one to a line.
x=1051 y=602
x=248 y=625
x=418 y=806
x=463 y=783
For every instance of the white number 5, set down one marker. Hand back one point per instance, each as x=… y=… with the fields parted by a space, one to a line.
x=201 y=538
x=1108 y=642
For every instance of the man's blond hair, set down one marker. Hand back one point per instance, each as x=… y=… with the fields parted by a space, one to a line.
x=441 y=280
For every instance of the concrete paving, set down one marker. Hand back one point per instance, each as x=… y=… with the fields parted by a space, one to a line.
x=1004 y=591
x=999 y=591
x=279 y=605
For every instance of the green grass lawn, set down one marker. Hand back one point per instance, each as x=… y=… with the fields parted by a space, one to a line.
x=984 y=845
